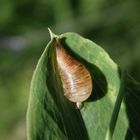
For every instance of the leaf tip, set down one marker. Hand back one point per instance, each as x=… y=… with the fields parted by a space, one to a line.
x=52 y=35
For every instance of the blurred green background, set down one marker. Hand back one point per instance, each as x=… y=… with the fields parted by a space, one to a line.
x=114 y=25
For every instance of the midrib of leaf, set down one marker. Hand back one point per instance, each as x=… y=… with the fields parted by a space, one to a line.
x=117 y=106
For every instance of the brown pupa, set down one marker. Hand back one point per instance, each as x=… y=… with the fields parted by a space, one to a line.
x=76 y=79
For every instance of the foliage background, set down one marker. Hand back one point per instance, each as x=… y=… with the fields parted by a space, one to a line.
x=114 y=25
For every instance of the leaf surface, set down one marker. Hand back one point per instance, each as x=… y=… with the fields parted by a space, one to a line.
x=103 y=116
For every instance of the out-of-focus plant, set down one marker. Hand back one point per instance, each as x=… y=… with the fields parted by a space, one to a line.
x=23 y=34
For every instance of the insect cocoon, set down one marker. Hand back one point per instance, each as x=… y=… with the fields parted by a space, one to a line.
x=76 y=79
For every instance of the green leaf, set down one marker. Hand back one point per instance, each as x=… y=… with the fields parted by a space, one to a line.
x=110 y=111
